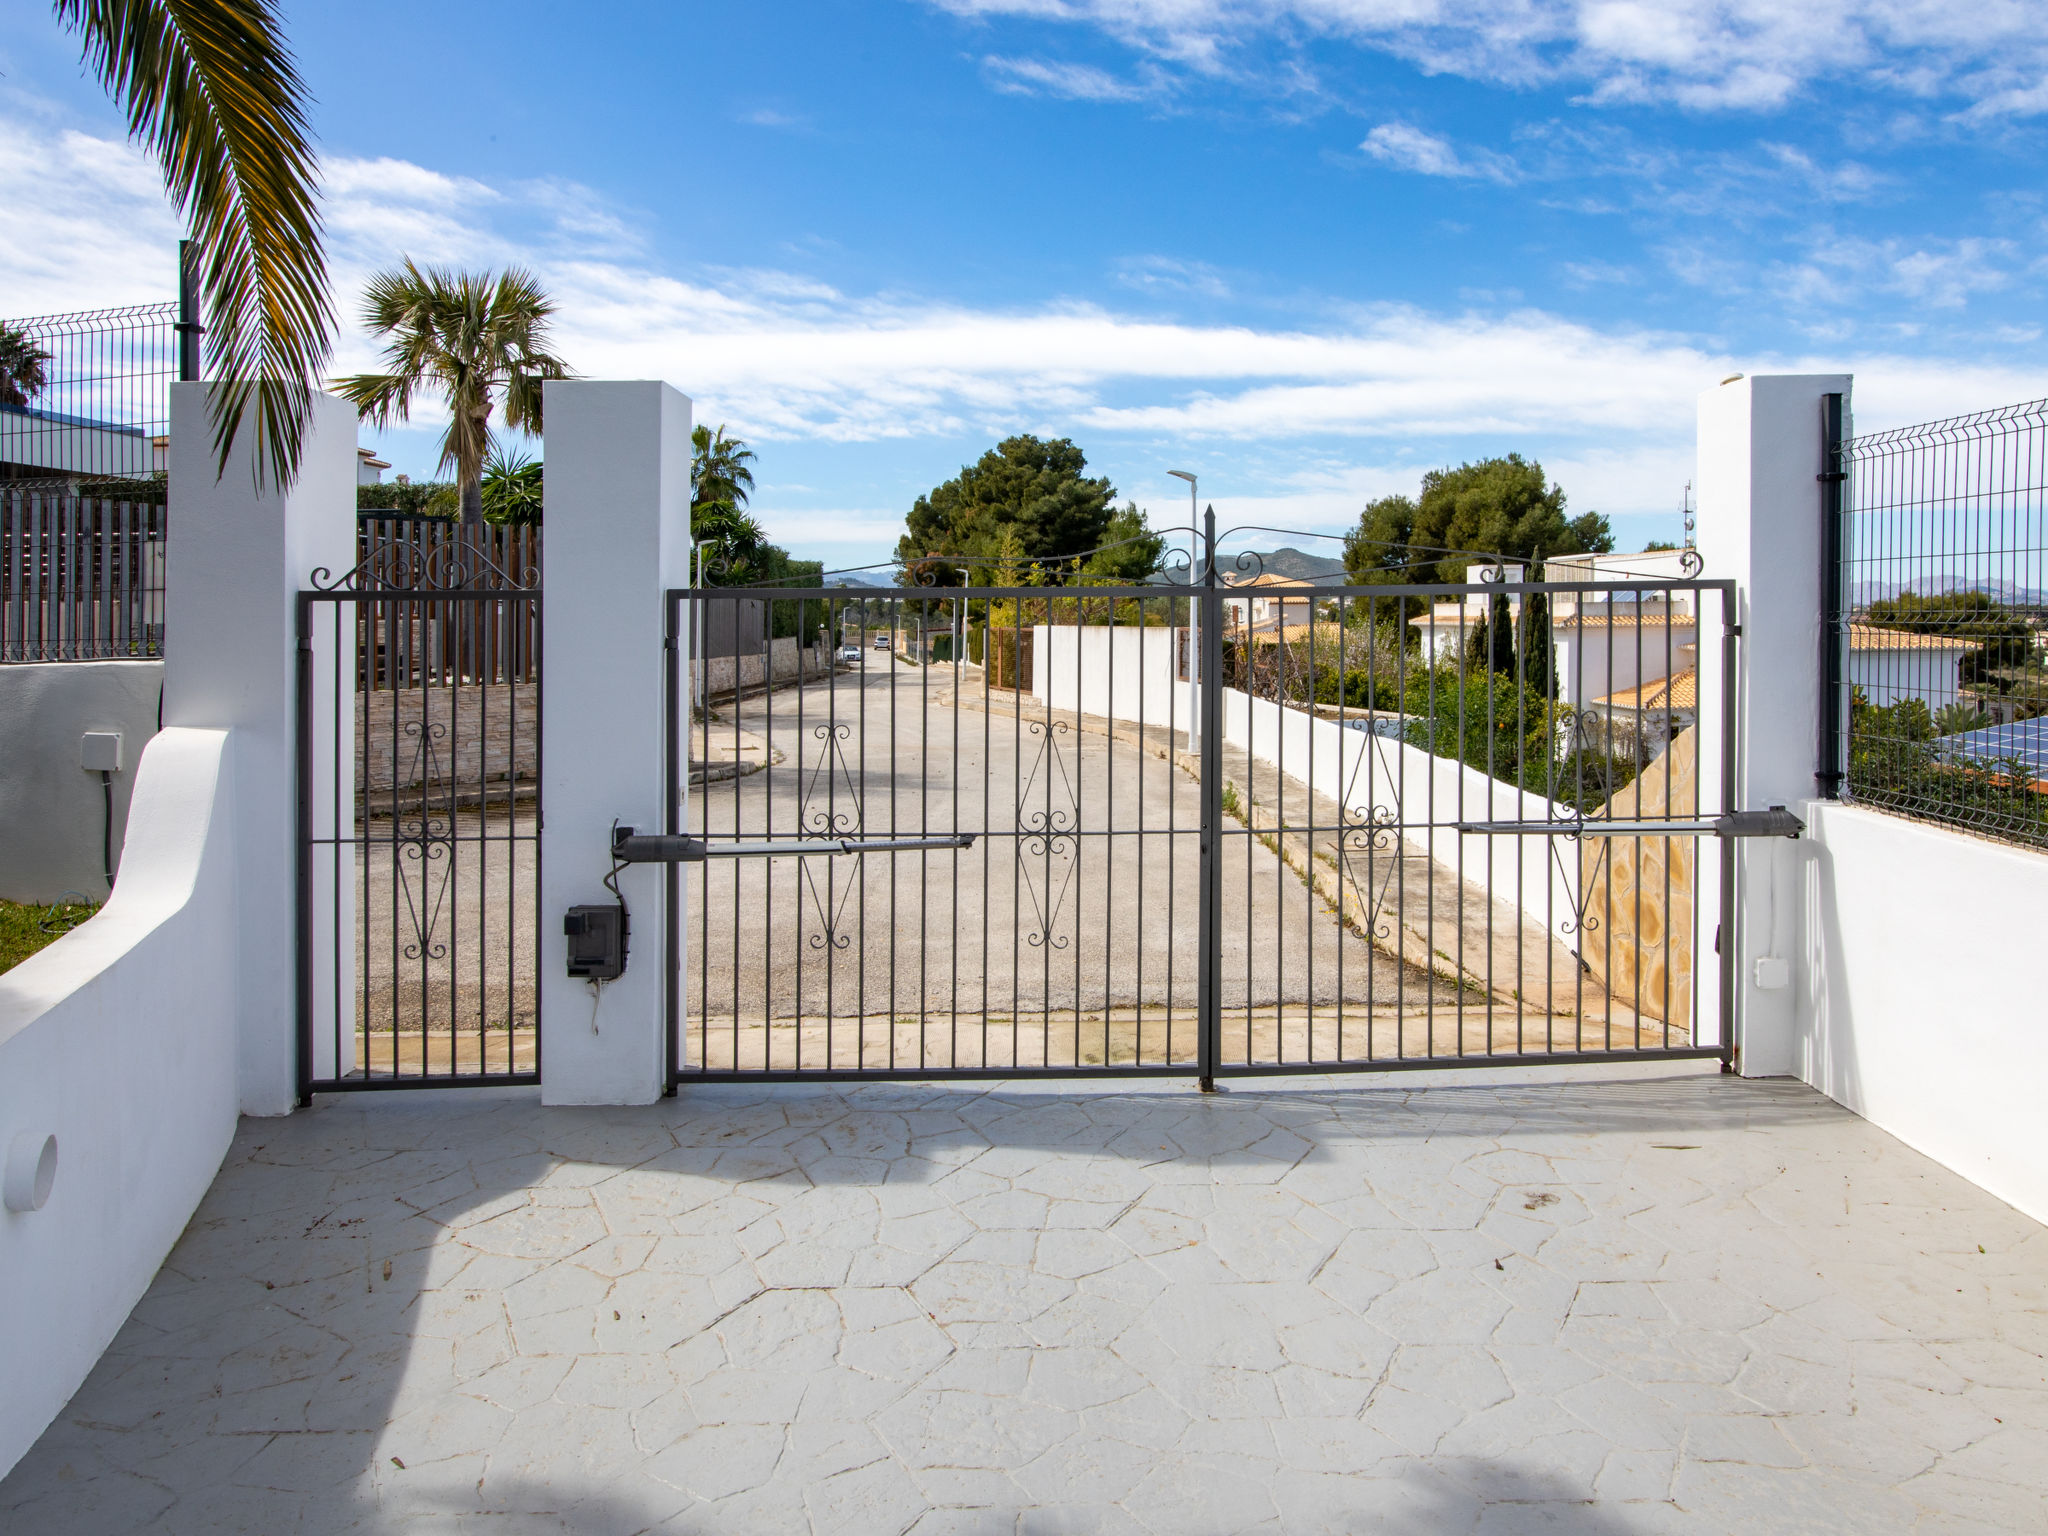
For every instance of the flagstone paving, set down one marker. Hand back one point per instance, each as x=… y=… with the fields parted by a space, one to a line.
x=1677 y=1304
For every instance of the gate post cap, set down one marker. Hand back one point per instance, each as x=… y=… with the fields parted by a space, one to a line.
x=31 y=1170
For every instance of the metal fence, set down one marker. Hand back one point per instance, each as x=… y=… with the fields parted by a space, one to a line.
x=404 y=645
x=1937 y=703
x=85 y=401
x=81 y=579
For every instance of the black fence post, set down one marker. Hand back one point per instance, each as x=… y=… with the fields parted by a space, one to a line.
x=1208 y=663
x=1834 y=601
x=190 y=327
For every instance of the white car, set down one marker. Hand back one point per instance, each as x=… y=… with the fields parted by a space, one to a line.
x=881 y=642
x=849 y=653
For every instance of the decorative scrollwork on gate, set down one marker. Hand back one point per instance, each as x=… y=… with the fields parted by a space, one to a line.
x=406 y=566
x=1376 y=838
x=1048 y=816
x=831 y=777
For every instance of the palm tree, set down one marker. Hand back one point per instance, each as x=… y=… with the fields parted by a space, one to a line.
x=21 y=367
x=211 y=91
x=469 y=335
x=718 y=469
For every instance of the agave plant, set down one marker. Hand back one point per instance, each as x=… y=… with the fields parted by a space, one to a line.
x=211 y=91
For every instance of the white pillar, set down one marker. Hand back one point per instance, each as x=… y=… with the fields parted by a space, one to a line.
x=618 y=535
x=235 y=560
x=1760 y=454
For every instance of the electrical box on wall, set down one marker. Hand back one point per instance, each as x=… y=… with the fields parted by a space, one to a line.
x=100 y=752
x=597 y=942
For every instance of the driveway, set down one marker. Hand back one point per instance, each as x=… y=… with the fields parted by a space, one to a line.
x=1691 y=1304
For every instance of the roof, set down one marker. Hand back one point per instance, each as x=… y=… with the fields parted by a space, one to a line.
x=1268 y=579
x=1659 y=618
x=1875 y=637
x=1679 y=691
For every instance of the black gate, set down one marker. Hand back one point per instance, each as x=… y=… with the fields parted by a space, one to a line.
x=988 y=831
x=419 y=831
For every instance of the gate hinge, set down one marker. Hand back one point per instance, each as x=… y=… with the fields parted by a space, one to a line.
x=1830 y=476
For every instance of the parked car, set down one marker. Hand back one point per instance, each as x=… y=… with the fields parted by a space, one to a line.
x=881 y=642
x=849 y=653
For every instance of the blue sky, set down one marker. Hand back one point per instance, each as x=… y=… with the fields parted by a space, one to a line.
x=1308 y=248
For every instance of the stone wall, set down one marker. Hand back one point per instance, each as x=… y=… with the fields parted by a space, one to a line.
x=784 y=662
x=1637 y=932
x=454 y=736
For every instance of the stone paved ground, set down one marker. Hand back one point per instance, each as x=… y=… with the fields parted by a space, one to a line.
x=1639 y=1306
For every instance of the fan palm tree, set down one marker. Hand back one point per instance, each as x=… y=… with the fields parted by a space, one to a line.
x=469 y=335
x=211 y=91
x=719 y=469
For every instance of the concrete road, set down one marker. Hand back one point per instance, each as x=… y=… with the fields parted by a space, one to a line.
x=1067 y=934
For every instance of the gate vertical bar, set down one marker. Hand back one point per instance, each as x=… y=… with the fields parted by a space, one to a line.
x=672 y=718
x=302 y=958
x=1834 y=605
x=1726 y=946
x=1208 y=664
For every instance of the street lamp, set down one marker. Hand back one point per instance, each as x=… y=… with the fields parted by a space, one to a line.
x=1194 y=648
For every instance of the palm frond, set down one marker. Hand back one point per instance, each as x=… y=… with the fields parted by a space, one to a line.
x=210 y=89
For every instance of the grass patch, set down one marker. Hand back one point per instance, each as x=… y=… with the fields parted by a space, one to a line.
x=24 y=929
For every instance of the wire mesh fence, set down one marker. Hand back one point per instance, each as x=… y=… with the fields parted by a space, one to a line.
x=85 y=401
x=1937 y=627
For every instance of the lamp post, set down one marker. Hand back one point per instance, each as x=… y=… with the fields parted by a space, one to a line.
x=1194 y=562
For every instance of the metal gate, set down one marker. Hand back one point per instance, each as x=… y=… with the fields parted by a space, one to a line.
x=1222 y=826
x=419 y=830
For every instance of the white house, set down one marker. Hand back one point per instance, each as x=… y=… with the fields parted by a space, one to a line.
x=1268 y=602
x=1891 y=665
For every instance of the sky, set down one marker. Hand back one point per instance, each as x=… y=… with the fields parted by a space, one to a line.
x=1306 y=249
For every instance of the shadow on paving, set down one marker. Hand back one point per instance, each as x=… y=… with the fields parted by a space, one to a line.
x=257 y=1386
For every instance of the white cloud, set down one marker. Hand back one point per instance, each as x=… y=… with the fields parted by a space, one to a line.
x=1407 y=148
x=1842 y=269
x=1075 y=82
x=1171 y=274
x=786 y=358
x=1703 y=54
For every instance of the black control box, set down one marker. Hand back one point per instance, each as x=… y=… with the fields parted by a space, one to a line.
x=597 y=942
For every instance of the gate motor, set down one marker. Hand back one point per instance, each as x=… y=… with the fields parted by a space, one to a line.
x=597 y=934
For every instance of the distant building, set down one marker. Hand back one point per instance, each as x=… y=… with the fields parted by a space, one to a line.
x=1891 y=665
x=1267 y=602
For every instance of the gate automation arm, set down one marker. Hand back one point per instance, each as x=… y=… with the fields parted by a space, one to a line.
x=1776 y=822
x=630 y=847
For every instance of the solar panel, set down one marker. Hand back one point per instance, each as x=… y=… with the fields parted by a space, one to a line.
x=2026 y=740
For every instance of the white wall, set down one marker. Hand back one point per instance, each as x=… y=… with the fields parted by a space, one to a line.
x=1605 y=659
x=1117 y=672
x=52 y=812
x=233 y=573
x=120 y=1040
x=618 y=520
x=1920 y=990
x=1886 y=677
x=1127 y=674
x=1759 y=523
x=136 y=1038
